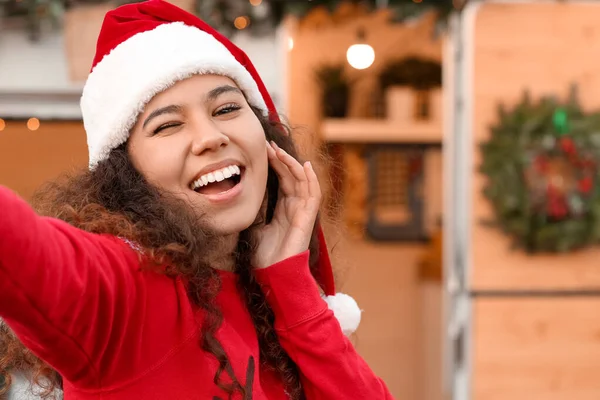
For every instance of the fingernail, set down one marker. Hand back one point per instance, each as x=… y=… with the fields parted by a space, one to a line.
x=274 y=144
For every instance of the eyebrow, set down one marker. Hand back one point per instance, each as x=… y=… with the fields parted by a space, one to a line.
x=219 y=90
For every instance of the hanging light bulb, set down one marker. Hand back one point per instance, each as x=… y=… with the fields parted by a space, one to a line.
x=360 y=55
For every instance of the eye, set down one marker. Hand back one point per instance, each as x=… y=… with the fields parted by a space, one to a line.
x=227 y=109
x=165 y=126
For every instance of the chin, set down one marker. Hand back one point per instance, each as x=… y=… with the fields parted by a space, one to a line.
x=232 y=211
x=233 y=224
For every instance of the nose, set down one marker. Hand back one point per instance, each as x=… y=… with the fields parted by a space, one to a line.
x=208 y=137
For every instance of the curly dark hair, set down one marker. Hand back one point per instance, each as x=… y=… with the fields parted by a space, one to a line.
x=115 y=199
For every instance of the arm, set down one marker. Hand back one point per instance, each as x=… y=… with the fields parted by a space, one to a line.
x=329 y=365
x=63 y=291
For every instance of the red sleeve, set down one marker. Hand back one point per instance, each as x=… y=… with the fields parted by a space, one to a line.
x=329 y=365
x=65 y=292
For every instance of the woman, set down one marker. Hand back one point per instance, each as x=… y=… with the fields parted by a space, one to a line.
x=184 y=264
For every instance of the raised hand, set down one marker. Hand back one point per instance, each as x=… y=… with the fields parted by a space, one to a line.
x=297 y=207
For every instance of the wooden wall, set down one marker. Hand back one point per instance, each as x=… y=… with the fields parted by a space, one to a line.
x=546 y=349
x=524 y=347
x=30 y=158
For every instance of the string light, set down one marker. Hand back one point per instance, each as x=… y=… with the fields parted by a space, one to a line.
x=241 y=22
x=33 y=124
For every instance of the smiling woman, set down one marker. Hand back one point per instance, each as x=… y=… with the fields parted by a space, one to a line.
x=188 y=262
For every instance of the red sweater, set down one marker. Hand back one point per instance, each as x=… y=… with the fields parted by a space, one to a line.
x=82 y=303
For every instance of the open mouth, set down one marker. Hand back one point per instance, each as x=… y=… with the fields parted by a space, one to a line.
x=218 y=181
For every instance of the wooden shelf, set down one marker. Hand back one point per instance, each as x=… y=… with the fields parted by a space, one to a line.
x=380 y=131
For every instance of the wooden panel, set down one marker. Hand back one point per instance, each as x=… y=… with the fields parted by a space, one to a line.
x=548 y=46
x=431 y=320
x=382 y=277
x=543 y=349
x=81 y=28
x=380 y=131
x=27 y=159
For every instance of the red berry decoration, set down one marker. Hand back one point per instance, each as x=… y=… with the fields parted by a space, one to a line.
x=588 y=164
x=568 y=146
x=556 y=203
x=541 y=164
x=585 y=185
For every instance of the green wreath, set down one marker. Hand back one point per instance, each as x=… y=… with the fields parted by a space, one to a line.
x=542 y=163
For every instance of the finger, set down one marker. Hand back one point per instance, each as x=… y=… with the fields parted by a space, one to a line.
x=270 y=149
x=294 y=166
x=297 y=171
x=313 y=202
x=314 y=188
x=286 y=180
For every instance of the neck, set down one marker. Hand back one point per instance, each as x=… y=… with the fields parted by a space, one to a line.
x=223 y=256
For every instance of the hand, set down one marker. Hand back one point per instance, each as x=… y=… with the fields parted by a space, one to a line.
x=290 y=230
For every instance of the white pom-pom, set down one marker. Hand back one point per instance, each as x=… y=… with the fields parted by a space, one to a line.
x=346 y=311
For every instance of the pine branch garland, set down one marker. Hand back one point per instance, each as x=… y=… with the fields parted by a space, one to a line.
x=263 y=17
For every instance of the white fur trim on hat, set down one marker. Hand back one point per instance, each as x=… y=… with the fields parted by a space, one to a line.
x=346 y=311
x=127 y=78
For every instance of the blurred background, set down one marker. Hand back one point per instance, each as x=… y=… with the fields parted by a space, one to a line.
x=464 y=141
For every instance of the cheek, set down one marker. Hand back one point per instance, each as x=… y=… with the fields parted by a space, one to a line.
x=255 y=144
x=158 y=164
x=260 y=156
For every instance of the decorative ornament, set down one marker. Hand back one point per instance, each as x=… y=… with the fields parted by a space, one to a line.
x=560 y=120
x=545 y=192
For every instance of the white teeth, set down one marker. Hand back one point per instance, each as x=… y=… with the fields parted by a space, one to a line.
x=216 y=176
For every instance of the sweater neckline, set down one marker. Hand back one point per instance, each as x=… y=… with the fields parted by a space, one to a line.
x=228 y=279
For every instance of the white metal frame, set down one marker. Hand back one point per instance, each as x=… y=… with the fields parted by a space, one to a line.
x=458 y=68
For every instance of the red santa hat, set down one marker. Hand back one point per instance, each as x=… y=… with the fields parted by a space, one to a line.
x=144 y=48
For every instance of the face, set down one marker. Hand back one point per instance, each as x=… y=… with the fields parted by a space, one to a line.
x=200 y=141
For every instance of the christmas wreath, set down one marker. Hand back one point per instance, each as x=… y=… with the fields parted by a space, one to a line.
x=542 y=163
